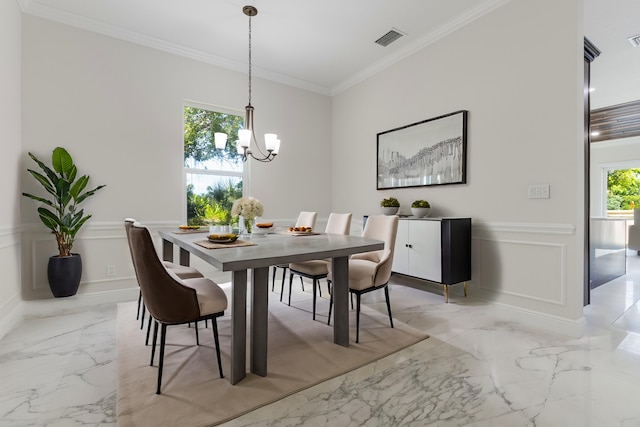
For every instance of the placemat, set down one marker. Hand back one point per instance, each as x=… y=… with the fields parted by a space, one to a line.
x=211 y=245
x=200 y=230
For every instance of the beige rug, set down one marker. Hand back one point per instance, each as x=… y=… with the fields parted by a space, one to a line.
x=301 y=354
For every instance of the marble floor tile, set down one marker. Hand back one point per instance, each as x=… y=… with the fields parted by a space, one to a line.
x=475 y=370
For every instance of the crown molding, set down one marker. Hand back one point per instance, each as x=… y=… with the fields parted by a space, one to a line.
x=99 y=27
x=430 y=38
x=92 y=25
x=24 y=4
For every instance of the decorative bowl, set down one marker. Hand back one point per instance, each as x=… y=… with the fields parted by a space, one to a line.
x=222 y=238
x=390 y=210
x=420 y=212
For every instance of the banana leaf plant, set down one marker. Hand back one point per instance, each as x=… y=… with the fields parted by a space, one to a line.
x=66 y=192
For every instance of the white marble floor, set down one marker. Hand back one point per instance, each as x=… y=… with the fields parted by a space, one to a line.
x=475 y=370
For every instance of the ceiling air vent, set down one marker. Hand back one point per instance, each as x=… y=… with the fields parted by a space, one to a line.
x=390 y=37
x=635 y=40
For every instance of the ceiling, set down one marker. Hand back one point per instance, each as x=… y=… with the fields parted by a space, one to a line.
x=327 y=46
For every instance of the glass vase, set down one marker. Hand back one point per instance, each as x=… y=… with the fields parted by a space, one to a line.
x=249 y=224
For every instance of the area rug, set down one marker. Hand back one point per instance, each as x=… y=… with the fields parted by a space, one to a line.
x=301 y=353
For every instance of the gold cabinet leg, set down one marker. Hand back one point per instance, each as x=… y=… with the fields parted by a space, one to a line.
x=465 y=288
x=446 y=293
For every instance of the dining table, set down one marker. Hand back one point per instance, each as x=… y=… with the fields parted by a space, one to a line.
x=263 y=251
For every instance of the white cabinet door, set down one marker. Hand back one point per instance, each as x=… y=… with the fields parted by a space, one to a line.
x=425 y=252
x=401 y=250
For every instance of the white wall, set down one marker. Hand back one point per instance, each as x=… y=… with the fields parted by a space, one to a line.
x=523 y=88
x=619 y=153
x=10 y=135
x=117 y=107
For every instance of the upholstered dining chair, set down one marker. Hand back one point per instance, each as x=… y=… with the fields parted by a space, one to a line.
x=305 y=219
x=181 y=271
x=371 y=271
x=319 y=269
x=170 y=299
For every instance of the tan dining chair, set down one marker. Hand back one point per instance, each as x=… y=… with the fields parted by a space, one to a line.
x=181 y=271
x=370 y=271
x=305 y=219
x=170 y=299
x=319 y=269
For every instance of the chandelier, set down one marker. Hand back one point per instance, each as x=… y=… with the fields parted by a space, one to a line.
x=271 y=141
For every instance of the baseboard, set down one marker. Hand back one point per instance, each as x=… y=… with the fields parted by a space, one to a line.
x=541 y=321
x=11 y=314
x=52 y=306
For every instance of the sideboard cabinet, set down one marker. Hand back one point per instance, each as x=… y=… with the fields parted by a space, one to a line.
x=434 y=249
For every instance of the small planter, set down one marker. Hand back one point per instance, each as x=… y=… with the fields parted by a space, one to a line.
x=420 y=212
x=390 y=210
x=64 y=275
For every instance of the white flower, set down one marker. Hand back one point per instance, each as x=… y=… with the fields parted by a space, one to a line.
x=248 y=207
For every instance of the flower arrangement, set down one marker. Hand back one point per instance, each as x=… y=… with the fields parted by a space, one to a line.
x=249 y=208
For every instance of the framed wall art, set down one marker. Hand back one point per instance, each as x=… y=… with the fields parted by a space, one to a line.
x=430 y=152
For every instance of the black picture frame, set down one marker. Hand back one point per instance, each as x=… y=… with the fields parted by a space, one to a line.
x=426 y=153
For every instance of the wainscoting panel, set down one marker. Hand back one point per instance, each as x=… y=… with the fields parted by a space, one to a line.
x=530 y=272
x=10 y=292
x=542 y=280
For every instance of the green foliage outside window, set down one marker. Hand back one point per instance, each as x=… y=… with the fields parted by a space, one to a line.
x=199 y=127
x=623 y=189
x=214 y=207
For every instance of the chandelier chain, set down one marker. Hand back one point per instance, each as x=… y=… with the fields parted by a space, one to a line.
x=249 y=59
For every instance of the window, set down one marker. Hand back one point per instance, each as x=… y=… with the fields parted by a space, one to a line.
x=213 y=177
x=623 y=191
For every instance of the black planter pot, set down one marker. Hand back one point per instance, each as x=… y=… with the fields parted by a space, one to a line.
x=64 y=275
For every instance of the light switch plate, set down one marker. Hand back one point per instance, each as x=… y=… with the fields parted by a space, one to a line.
x=539 y=191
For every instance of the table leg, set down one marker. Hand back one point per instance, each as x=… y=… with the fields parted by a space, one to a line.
x=167 y=250
x=184 y=257
x=259 y=320
x=238 y=326
x=340 y=278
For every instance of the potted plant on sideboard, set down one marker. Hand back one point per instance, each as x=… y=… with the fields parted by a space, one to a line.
x=420 y=208
x=59 y=214
x=390 y=206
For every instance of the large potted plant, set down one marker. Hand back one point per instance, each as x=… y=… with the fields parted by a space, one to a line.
x=60 y=214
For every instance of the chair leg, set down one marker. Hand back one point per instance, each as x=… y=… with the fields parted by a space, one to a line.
x=330 y=301
x=386 y=295
x=282 y=288
x=197 y=337
x=163 y=336
x=142 y=321
x=273 y=278
x=155 y=339
x=139 y=303
x=315 y=286
x=290 y=284
x=301 y=283
x=319 y=288
x=146 y=341
x=284 y=273
x=358 y=318
x=214 y=326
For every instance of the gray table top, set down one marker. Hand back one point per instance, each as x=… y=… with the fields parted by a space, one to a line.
x=273 y=249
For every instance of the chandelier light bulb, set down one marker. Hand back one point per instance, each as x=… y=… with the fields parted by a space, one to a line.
x=220 y=140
